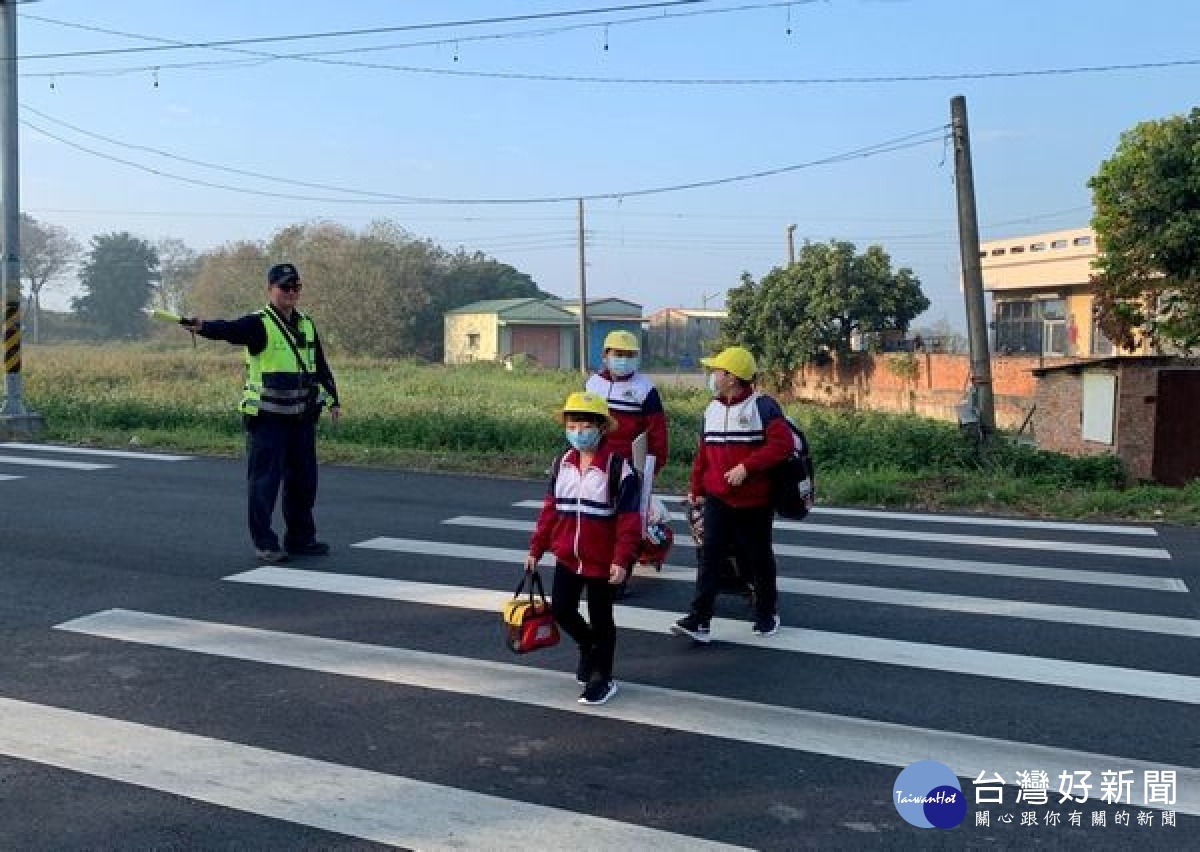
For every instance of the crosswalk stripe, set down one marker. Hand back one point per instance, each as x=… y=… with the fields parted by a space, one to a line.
x=893 y=535
x=66 y=465
x=1004 y=607
x=1049 y=671
x=356 y=802
x=4 y=477
x=92 y=451
x=970 y=520
x=934 y=563
x=732 y=719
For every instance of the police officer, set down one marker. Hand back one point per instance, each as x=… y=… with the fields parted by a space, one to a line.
x=288 y=382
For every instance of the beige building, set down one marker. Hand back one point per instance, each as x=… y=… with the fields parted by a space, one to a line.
x=1042 y=299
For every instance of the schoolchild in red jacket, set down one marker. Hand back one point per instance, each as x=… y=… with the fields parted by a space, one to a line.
x=633 y=400
x=745 y=435
x=594 y=536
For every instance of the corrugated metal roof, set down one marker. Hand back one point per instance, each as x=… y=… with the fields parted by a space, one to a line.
x=536 y=311
x=491 y=306
x=607 y=307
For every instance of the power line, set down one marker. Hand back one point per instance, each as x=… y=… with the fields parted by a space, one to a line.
x=323 y=57
x=471 y=22
x=767 y=81
x=911 y=140
x=262 y=57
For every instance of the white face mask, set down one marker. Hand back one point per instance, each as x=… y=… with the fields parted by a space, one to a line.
x=712 y=385
x=622 y=365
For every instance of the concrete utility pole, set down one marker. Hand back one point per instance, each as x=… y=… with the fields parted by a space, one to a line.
x=583 y=321
x=968 y=246
x=791 y=244
x=14 y=417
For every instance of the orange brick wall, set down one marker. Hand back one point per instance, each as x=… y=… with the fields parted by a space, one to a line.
x=939 y=385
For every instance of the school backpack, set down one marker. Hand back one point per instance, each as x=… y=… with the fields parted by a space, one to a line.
x=793 y=481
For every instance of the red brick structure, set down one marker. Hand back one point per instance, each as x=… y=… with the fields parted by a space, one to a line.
x=1143 y=409
x=923 y=383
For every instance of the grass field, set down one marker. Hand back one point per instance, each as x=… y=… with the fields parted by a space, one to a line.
x=486 y=419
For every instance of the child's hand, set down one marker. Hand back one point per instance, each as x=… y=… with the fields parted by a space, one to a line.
x=735 y=476
x=530 y=563
x=616 y=575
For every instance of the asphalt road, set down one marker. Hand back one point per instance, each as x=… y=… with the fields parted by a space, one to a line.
x=160 y=690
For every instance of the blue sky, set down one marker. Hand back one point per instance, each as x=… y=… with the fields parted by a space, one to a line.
x=418 y=133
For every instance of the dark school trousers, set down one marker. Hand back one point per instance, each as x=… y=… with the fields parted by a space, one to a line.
x=281 y=451
x=597 y=640
x=746 y=533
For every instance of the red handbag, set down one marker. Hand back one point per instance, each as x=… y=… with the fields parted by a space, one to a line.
x=528 y=622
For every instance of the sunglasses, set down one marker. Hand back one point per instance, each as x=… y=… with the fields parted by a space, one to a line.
x=290 y=286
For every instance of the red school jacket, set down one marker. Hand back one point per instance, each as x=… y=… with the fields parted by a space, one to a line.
x=587 y=529
x=750 y=430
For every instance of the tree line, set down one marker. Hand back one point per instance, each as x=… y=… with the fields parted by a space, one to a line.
x=380 y=291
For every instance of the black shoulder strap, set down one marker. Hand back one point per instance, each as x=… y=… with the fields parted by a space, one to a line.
x=616 y=465
x=287 y=335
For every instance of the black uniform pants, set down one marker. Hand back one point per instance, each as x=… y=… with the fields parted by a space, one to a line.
x=597 y=640
x=746 y=533
x=281 y=451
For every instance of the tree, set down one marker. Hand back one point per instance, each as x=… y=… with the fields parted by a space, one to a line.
x=178 y=265
x=1147 y=222
x=47 y=251
x=379 y=292
x=816 y=304
x=118 y=277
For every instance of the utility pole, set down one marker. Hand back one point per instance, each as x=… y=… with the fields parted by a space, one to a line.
x=791 y=244
x=14 y=417
x=968 y=246
x=583 y=322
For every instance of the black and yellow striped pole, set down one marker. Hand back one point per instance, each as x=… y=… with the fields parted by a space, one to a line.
x=15 y=418
x=12 y=338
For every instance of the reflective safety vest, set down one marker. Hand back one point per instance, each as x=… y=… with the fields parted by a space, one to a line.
x=275 y=382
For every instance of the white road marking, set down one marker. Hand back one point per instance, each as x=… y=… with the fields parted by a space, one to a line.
x=361 y=803
x=797 y=730
x=1110 y=619
x=1116 y=680
x=894 y=535
x=91 y=451
x=938 y=518
x=870 y=558
x=66 y=465
x=4 y=477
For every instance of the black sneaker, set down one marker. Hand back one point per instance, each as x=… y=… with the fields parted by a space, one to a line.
x=691 y=625
x=768 y=626
x=312 y=548
x=583 y=672
x=598 y=691
x=271 y=556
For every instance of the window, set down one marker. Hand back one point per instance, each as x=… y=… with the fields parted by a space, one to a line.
x=473 y=342
x=1035 y=326
x=1016 y=250
x=1038 y=247
x=1057 y=244
x=1081 y=241
x=983 y=254
x=997 y=252
x=1101 y=345
x=1017 y=329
